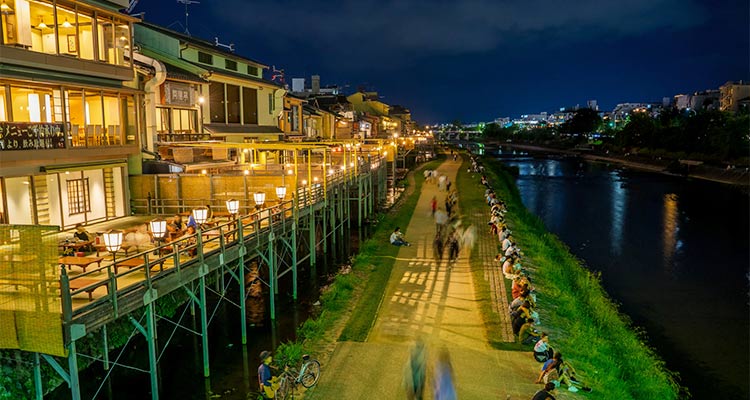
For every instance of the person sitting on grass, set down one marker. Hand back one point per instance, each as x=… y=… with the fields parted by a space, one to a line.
x=397 y=238
x=542 y=349
x=551 y=368
x=546 y=393
x=568 y=378
x=520 y=284
x=528 y=334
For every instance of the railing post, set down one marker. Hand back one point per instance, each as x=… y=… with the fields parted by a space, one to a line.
x=241 y=264
x=204 y=321
x=38 y=378
x=272 y=276
x=75 y=387
x=151 y=343
x=312 y=236
x=294 y=260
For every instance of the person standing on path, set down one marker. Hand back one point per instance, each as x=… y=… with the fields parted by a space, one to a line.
x=415 y=371
x=267 y=383
x=433 y=204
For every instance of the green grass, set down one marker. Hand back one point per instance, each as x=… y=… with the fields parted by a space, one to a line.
x=371 y=270
x=584 y=323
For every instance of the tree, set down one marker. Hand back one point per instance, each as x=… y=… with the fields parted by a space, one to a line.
x=584 y=120
x=640 y=131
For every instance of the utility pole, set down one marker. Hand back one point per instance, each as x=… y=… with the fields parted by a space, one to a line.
x=187 y=3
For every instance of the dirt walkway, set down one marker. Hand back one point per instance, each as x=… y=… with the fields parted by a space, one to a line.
x=428 y=300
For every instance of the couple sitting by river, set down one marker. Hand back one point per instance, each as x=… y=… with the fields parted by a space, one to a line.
x=555 y=371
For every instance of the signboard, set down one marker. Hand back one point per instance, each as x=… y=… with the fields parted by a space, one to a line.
x=31 y=136
x=179 y=94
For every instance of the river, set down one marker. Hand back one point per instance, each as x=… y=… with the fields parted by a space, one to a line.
x=672 y=251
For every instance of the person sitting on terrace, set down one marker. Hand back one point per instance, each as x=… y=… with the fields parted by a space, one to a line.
x=84 y=236
x=187 y=241
x=176 y=225
x=397 y=238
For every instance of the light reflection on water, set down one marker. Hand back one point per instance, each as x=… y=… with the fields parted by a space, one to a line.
x=672 y=251
x=669 y=235
x=619 y=197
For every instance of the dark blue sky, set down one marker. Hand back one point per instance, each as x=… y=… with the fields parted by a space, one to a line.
x=476 y=60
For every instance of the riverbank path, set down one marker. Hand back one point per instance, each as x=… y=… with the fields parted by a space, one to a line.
x=438 y=304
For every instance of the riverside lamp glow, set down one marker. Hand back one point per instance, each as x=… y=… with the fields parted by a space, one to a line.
x=281 y=192
x=233 y=206
x=113 y=242
x=260 y=198
x=200 y=215
x=158 y=230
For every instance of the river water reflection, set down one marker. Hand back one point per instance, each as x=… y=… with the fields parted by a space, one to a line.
x=672 y=251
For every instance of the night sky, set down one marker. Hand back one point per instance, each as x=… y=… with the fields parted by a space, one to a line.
x=482 y=59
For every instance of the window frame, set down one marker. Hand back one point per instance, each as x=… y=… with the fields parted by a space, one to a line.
x=205 y=56
x=78 y=192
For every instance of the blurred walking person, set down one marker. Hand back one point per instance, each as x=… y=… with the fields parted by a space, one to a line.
x=438 y=246
x=415 y=371
x=444 y=389
x=453 y=248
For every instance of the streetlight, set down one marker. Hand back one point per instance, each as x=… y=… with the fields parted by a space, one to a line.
x=113 y=242
x=200 y=215
x=233 y=207
x=281 y=192
x=260 y=198
x=158 y=230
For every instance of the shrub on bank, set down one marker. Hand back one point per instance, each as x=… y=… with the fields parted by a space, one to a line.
x=585 y=323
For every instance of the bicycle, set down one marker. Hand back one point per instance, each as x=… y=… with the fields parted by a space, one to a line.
x=307 y=375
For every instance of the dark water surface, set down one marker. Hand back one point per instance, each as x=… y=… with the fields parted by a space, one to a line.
x=674 y=252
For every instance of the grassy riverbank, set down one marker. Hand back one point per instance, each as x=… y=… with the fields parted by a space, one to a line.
x=584 y=323
x=354 y=298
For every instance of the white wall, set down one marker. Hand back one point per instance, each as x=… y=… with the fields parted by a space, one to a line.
x=96 y=193
x=117 y=175
x=54 y=200
x=18 y=192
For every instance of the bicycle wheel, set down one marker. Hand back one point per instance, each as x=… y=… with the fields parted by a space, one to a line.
x=284 y=389
x=312 y=373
